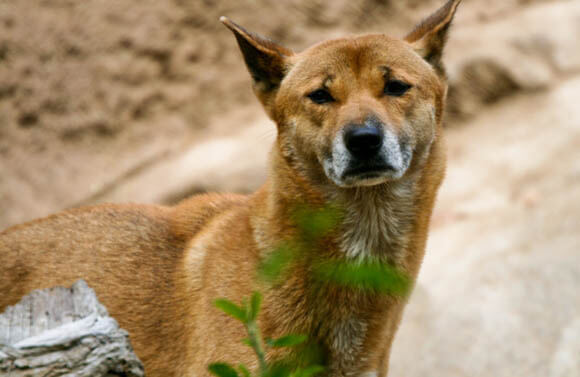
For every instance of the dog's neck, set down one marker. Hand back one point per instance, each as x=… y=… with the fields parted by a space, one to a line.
x=377 y=221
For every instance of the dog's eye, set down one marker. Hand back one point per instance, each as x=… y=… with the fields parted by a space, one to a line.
x=396 y=88
x=320 y=96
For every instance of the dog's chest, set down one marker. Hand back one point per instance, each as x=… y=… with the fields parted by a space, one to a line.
x=377 y=223
x=346 y=322
x=346 y=341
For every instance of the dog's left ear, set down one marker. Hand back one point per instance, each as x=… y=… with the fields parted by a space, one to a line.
x=266 y=60
x=429 y=37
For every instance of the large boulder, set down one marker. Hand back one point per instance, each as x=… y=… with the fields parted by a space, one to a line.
x=498 y=292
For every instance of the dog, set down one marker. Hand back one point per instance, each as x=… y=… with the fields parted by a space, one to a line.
x=359 y=128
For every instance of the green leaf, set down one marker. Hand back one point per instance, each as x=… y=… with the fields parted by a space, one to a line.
x=231 y=309
x=287 y=341
x=256 y=302
x=368 y=276
x=309 y=372
x=315 y=223
x=272 y=269
x=278 y=370
x=244 y=370
x=222 y=370
x=309 y=353
x=247 y=342
x=246 y=308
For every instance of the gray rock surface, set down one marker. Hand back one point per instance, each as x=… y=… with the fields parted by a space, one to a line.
x=525 y=51
x=233 y=163
x=498 y=292
x=64 y=332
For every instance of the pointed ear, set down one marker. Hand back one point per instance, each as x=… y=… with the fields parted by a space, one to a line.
x=266 y=61
x=429 y=37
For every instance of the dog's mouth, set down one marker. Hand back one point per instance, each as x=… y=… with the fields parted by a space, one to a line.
x=368 y=171
x=365 y=175
x=368 y=174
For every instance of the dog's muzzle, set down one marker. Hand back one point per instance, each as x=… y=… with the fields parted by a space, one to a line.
x=367 y=155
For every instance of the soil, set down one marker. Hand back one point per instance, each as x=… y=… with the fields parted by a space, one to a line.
x=93 y=92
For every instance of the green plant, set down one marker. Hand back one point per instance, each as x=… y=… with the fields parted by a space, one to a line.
x=313 y=224
x=247 y=313
x=369 y=276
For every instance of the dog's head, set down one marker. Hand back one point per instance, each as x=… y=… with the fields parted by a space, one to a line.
x=360 y=110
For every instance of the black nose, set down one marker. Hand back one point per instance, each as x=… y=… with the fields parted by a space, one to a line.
x=363 y=142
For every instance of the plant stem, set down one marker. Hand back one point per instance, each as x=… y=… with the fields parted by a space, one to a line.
x=257 y=344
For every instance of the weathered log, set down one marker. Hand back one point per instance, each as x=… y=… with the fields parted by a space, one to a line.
x=64 y=332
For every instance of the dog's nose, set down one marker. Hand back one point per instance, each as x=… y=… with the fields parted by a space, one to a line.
x=363 y=142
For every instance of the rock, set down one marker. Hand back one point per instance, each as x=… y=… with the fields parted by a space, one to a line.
x=487 y=62
x=498 y=291
x=566 y=361
x=234 y=163
x=62 y=331
x=524 y=52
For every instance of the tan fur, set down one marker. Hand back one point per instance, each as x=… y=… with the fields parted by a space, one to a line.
x=158 y=269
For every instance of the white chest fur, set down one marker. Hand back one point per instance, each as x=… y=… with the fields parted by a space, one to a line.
x=378 y=220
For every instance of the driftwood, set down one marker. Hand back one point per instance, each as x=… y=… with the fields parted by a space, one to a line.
x=64 y=332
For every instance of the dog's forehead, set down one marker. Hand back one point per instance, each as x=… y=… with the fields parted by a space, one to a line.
x=374 y=49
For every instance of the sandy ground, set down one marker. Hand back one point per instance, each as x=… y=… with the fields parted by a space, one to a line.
x=149 y=102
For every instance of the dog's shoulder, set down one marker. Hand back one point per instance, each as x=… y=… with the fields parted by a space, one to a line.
x=192 y=214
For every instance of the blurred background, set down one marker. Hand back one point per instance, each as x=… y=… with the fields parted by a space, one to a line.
x=149 y=101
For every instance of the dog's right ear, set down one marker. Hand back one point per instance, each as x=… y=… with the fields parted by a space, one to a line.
x=266 y=60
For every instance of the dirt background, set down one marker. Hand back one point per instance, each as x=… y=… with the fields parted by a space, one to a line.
x=149 y=101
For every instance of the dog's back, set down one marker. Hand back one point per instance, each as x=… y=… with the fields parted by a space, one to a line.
x=132 y=255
